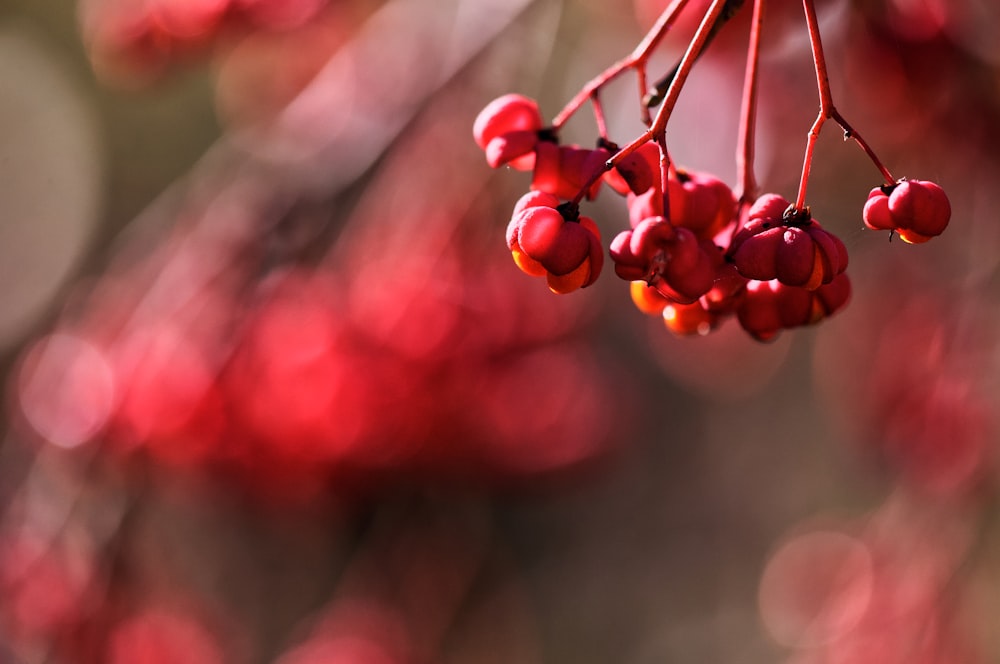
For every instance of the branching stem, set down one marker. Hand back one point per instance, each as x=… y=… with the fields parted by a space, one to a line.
x=636 y=60
x=827 y=111
x=655 y=94
x=657 y=130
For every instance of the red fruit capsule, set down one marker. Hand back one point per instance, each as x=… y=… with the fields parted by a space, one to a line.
x=758 y=311
x=647 y=299
x=564 y=170
x=635 y=252
x=700 y=202
x=921 y=207
x=637 y=173
x=918 y=210
x=673 y=260
x=506 y=114
x=876 y=213
x=795 y=252
x=507 y=129
x=559 y=245
x=543 y=242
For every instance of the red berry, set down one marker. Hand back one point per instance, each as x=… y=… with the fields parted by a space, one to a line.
x=728 y=286
x=921 y=207
x=647 y=298
x=544 y=243
x=758 y=311
x=701 y=202
x=636 y=173
x=508 y=147
x=831 y=298
x=545 y=236
x=688 y=319
x=507 y=129
x=644 y=205
x=511 y=112
x=767 y=307
x=670 y=259
x=769 y=207
x=876 y=213
x=918 y=210
x=564 y=170
x=635 y=251
x=690 y=268
x=795 y=252
x=529 y=200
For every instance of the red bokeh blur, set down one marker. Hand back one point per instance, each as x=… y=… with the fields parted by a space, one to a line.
x=277 y=392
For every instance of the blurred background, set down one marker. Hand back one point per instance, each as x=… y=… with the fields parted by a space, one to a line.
x=276 y=392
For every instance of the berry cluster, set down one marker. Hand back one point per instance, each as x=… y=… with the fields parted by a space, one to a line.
x=696 y=252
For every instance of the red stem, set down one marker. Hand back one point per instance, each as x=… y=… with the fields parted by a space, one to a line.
x=602 y=125
x=663 y=185
x=747 y=181
x=658 y=129
x=687 y=62
x=643 y=82
x=849 y=132
x=637 y=60
x=827 y=111
x=658 y=32
x=825 y=99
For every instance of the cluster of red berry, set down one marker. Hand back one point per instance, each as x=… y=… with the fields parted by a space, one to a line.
x=139 y=38
x=696 y=252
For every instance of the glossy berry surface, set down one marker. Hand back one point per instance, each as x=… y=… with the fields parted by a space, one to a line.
x=915 y=209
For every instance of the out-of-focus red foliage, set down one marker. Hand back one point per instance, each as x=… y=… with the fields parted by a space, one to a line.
x=46 y=587
x=324 y=310
x=134 y=41
x=909 y=382
x=157 y=636
x=311 y=378
x=879 y=591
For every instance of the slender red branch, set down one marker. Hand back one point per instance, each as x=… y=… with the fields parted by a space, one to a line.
x=659 y=30
x=655 y=94
x=747 y=181
x=800 y=199
x=687 y=62
x=602 y=125
x=658 y=129
x=827 y=111
x=666 y=166
x=643 y=80
x=825 y=99
x=585 y=93
x=637 y=60
x=819 y=57
x=849 y=132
